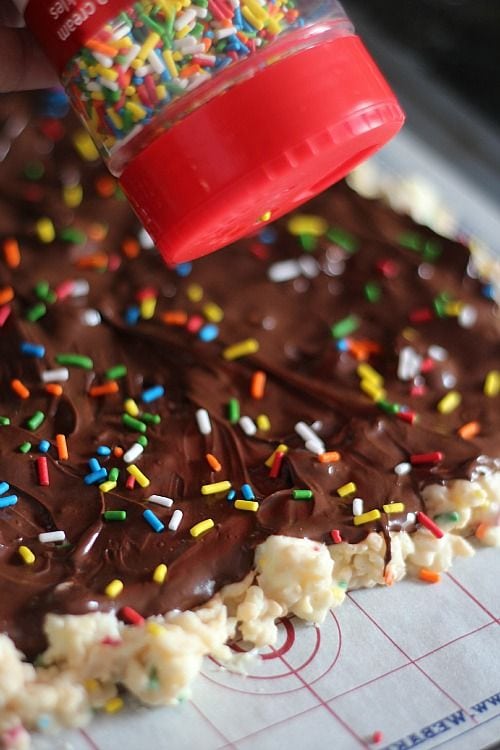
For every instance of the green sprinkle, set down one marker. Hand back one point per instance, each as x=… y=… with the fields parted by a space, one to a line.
x=345 y=327
x=34 y=170
x=154 y=682
x=233 y=410
x=142 y=440
x=308 y=242
x=114 y=474
x=115 y=515
x=343 y=239
x=150 y=418
x=4 y=421
x=372 y=291
x=34 y=422
x=133 y=424
x=75 y=360
x=451 y=517
x=36 y=312
x=42 y=289
x=342 y=585
x=439 y=307
x=115 y=372
x=411 y=240
x=388 y=406
x=302 y=494
x=75 y=236
x=25 y=447
x=432 y=250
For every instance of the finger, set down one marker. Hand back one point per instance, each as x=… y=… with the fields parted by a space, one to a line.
x=23 y=64
x=9 y=15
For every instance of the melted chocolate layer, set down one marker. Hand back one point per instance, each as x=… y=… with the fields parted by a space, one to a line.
x=413 y=299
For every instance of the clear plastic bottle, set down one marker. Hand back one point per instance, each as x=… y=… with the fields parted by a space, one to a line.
x=217 y=115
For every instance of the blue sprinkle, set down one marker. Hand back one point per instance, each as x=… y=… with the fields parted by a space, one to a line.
x=132 y=315
x=103 y=450
x=153 y=393
x=43 y=446
x=95 y=476
x=231 y=495
x=32 y=350
x=247 y=492
x=94 y=464
x=4 y=486
x=268 y=235
x=488 y=291
x=54 y=103
x=342 y=345
x=43 y=722
x=208 y=332
x=184 y=269
x=7 y=500
x=153 y=520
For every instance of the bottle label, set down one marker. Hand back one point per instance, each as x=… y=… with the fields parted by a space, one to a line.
x=63 y=26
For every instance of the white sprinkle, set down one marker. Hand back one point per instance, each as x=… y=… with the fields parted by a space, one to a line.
x=306 y=433
x=167 y=502
x=467 y=317
x=315 y=446
x=309 y=266
x=59 y=375
x=449 y=379
x=130 y=56
x=79 y=288
x=201 y=12
x=437 y=353
x=284 y=270
x=111 y=85
x=156 y=63
x=91 y=317
x=247 y=425
x=145 y=239
x=402 y=469
x=409 y=363
x=175 y=521
x=196 y=80
x=121 y=31
x=203 y=420
x=188 y=45
x=51 y=536
x=357 y=506
x=223 y=33
x=410 y=520
x=104 y=60
x=184 y=19
x=317 y=425
x=133 y=453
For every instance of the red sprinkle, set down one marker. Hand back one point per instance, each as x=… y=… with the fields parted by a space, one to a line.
x=434 y=457
x=407 y=416
x=4 y=314
x=418 y=390
x=276 y=466
x=335 y=534
x=194 y=323
x=421 y=315
x=388 y=268
x=43 y=471
x=130 y=616
x=130 y=482
x=427 y=365
x=108 y=641
x=377 y=737
x=429 y=524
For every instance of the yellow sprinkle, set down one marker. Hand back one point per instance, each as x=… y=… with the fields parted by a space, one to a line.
x=394 y=507
x=140 y=478
x=107 y=486
x=492 y=383
x=453 y=309
x=85 y=146
x=246 y=505
x=91 y=685
x=201 y=527
x=136 y=110
x=241 y=349
x=253 y=20
x=265 y=216
x=182 y=32
x=97 y=96
x=371 y=515
x=213 y=312
x=273 y=26
x=212 y=489
x=149 y=45
x=263 y=423
x=27 y=555
x=449 y=402
x=409 y=334
x=131 y=407
x=72 y=195
x=367 y=372
x=307 y=224
x=148 y=307
x=108 y=73
x=161 y=91
x=130 y=91
x=372 y=390
x=154 y=628
x=160 y=573
x=114 y=588
x=45 y=230
x=169 y=61
x=113 y=705
x=282 y=448
x=195 y=292
x=347 y=489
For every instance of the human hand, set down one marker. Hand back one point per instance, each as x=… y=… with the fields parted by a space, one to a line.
x=22 y=63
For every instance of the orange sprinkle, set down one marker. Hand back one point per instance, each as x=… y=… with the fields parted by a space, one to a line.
x=19 y=388
x=469 y=430
x=481 y=531
x=189 y=70
x=97 y=260
x=104 y=49
x=54 y=389
x=62 y=447
x=430 y=576
x=117 y=451
x=175 y=317
x=330 y=457
x=258 y=384
x=388 y=576
x=131 y=247
x=105 y=186
x=213 y=462
x=97 y=231
x=105 y=389
x=11 y=252
x=6 y=295
x=361 y=350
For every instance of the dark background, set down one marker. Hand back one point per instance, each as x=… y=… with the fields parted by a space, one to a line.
x=457 y=40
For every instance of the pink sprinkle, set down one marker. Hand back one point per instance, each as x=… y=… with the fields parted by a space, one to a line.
x=377 y=737
x=194 y=323
x=114 y=262
x=64 y=289
x=427 y=365
x=43 y=471
x=335 y=534
x=108 y=641
x=276 y=466
x=434 y=457
x=5 y=311
x=429 y=524
x=388 y=268
x=418 y=390
x=130 y=482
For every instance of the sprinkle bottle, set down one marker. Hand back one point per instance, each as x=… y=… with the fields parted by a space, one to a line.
x=217 y=116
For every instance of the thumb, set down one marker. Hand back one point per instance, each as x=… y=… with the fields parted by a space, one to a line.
x=22 y=63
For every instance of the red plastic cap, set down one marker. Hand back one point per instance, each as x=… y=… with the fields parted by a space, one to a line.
x=261 y=148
